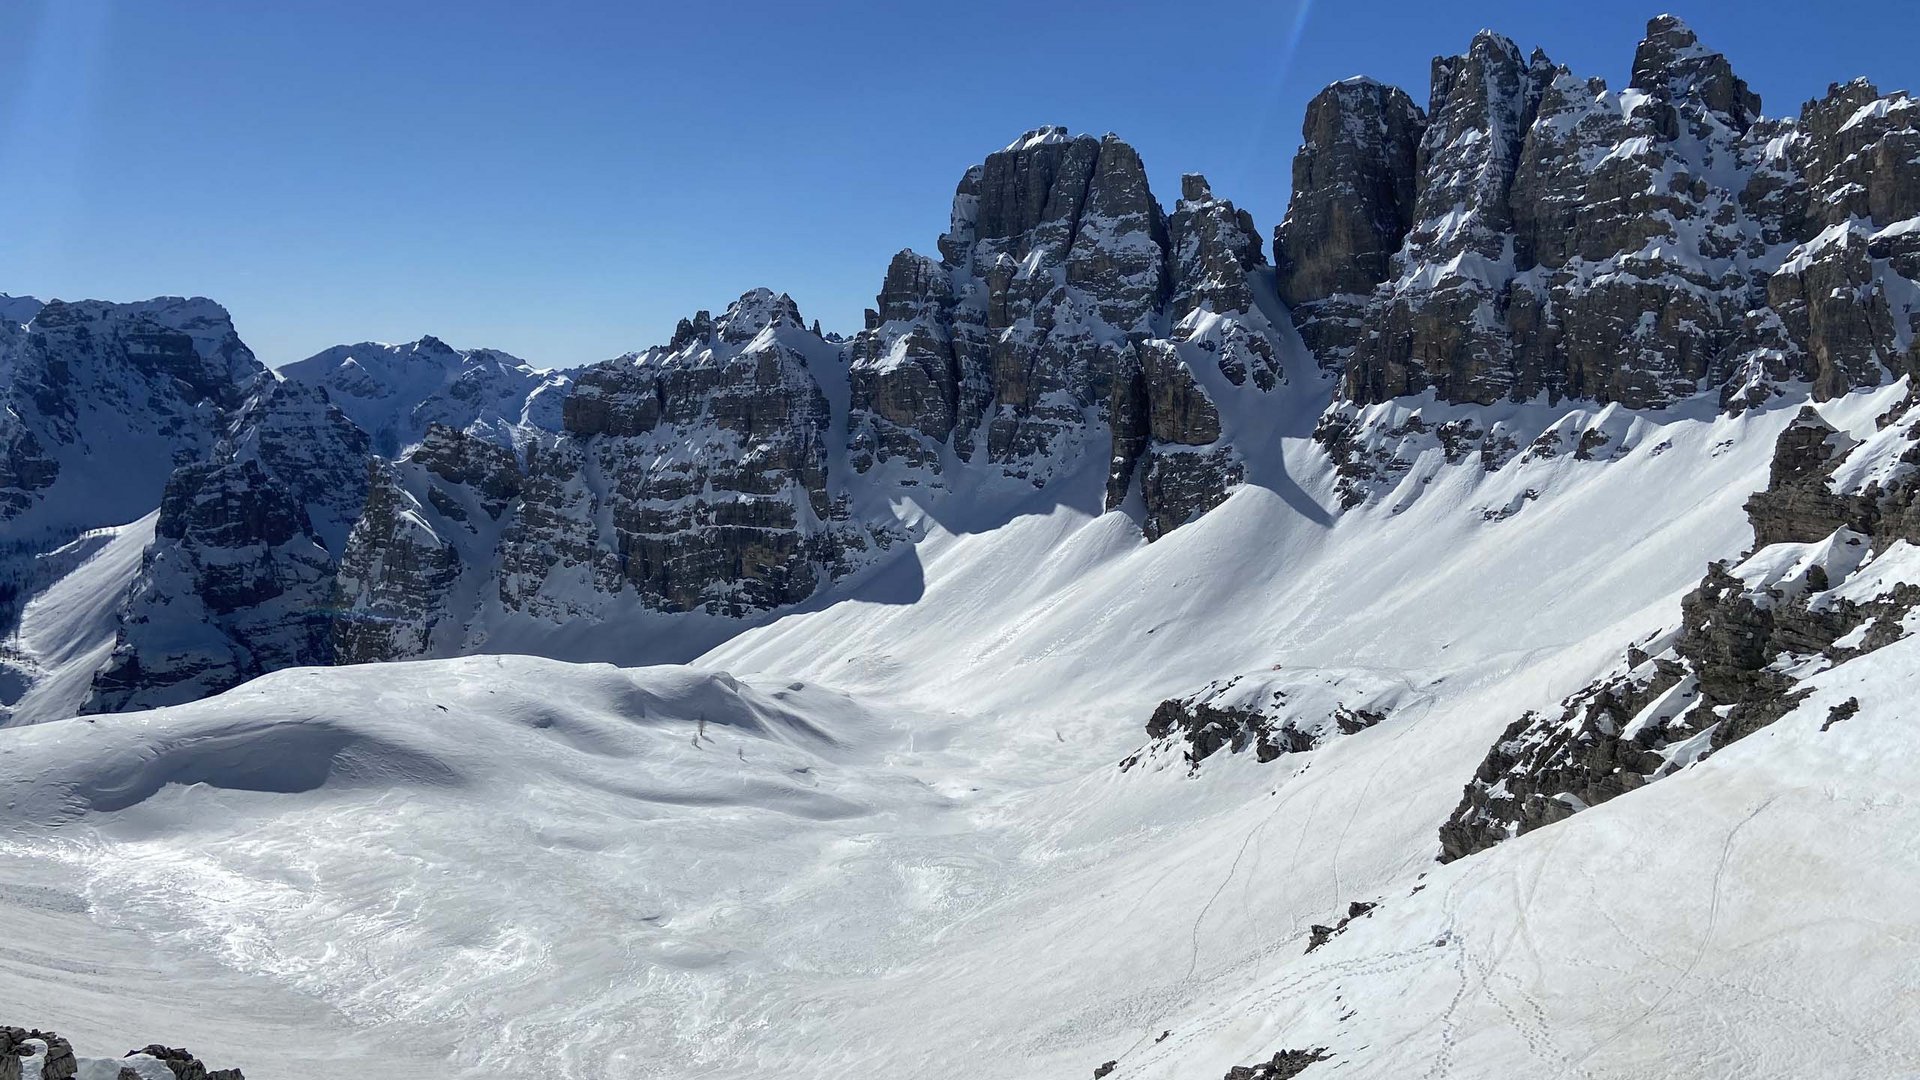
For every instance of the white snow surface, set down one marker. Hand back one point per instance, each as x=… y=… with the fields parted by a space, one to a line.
x=887 y=834
x=67 y=630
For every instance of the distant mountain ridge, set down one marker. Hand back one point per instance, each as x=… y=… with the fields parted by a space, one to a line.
x=1443 y=277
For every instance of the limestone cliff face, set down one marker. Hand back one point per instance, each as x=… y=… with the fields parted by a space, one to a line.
x=238 y=579
x=705 y=468
x=422 y=554
x=1563 y=240
x=1062 y=315
x=693 y=477
x=100 y=402
x=235 y=584
x=1354 y=182
x=1008 y=345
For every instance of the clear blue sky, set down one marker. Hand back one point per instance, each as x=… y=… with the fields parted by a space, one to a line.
x=566 y=179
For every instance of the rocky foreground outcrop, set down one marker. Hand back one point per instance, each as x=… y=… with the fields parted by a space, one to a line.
x=1835 y=576
x=30 y=1054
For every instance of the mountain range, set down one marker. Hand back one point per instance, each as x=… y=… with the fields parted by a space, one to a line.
x=1147 y=646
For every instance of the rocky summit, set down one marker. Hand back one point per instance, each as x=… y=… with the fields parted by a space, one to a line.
x=1505 y=243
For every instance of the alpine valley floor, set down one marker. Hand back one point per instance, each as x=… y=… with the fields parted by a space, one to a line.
x=877 y=838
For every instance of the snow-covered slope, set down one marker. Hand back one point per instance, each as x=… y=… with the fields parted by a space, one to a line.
x=904 y=837
x=66 y=631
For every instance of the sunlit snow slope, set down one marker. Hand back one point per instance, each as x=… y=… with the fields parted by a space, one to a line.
x=890 y=835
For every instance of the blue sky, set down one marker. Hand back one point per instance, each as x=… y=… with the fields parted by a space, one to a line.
x=565 y=180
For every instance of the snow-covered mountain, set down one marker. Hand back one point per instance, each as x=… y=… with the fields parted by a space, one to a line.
x=100 y=402
x=1475 y=645
x=395 y=392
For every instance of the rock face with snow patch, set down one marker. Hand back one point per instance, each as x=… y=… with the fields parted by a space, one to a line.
x=1271 y=713
x=51 y=1056
x=311 y=448
x=99 y=402
x=414 y=567
x=1167 y=433
x=1354 y=181
x=235 y=584
x=1055 y=260
x=1568 y=241
x=1062 y=320
x=238 y=579
x=1835 y=576
x=707 y=460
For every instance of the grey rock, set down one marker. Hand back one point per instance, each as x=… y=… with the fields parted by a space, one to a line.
x=57 y=1064
x=410 y=578
x=1642 y=247
x=235 y=584
x=709 y=469
x=1727 y=669
x=1354 y=181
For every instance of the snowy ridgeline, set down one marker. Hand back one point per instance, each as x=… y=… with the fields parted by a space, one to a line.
x=1474 y=645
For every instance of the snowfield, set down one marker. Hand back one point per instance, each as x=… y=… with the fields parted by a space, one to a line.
x=889 y=833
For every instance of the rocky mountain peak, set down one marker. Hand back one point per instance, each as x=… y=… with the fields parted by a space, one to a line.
x=756 y=311
x=393 y=392
x=102 y=400
x=1354 y=182
x=1673 y=66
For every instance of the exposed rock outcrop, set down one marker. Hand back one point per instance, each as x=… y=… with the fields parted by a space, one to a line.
x=1271 y=713
x=1284 y=1065
x=51 y=1056
x=708 y=462
x=417 y=563
x=182 y=1063
x=235 y=584
x=1835 y=575
x=46 y=1056
x=1354 y=183
x=1567 y=241
x=310 y=448
x=238 y=580
x=1063 y=316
